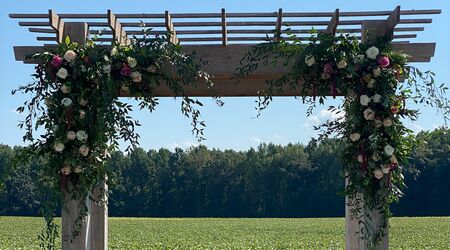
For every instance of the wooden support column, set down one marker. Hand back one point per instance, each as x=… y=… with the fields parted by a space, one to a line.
x=371 y=31
x=94 y=232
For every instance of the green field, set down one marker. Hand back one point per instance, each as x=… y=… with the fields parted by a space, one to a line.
x=209 y=233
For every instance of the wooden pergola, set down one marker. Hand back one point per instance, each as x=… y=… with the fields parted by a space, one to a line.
x=222 y=39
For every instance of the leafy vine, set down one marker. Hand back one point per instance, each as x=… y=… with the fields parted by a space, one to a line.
x=370 y=119
x=80 y=119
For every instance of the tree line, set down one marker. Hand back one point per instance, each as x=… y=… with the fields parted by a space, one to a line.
x=270 y=181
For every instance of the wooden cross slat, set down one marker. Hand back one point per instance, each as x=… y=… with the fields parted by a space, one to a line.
x=170 y=28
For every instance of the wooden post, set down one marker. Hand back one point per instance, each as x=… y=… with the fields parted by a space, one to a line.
x=370 y=32
x=98 y=227
x=94 y=232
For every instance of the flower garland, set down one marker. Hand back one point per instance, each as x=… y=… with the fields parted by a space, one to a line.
x=368 y=76
x=84 y=119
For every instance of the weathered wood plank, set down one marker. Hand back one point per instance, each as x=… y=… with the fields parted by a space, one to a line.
x=332 y=26
x=170 y=27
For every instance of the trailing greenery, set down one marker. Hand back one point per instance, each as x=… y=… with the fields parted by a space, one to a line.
x=84 y=119
x=369 y=121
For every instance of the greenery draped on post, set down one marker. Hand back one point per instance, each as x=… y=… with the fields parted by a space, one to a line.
x=369 y=121
x=83 y=119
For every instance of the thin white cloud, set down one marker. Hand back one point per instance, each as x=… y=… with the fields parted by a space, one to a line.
x=183 y=145
x=255 y=139
x=320 y=117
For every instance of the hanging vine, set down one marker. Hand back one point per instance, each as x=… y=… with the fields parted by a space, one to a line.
x=75 y=107
x=369 y=76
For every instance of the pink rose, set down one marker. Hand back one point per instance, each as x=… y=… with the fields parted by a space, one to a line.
x=125 y=71
x=328 y=69
x=394 y=110
x=56 y=61
x=383 y=61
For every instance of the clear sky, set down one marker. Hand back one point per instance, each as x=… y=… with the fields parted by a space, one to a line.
x=233 y=125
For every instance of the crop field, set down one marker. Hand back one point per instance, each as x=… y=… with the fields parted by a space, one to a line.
x=214 y=233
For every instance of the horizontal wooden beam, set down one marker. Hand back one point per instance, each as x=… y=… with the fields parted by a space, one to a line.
x=234 y=15
x=222 y=61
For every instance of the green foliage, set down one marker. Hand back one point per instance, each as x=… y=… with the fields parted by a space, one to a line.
x=208 y=233
x=84 y=119
x=368 y=75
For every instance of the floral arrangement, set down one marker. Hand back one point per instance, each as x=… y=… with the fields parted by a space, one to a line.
x=75 y=102
x=368 y=75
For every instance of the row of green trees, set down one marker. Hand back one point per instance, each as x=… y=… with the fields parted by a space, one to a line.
x=270 y=181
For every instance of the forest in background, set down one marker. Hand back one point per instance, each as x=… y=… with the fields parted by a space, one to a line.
x=270 y=181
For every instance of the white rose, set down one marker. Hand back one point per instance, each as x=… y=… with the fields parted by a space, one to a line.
x=376 y=98
x=66 y=102
x=151 y=69
x=84 y=150
x=360 y=158
x=376 y=156
x=378 y=173
x=136 y=76
x=369 y=114
x=359 y=59
x=71 y=135
x=372 y=52
x=131 y=62
x=388 y=150
x=70 y=55
x=310 y=60
x=82 y=135
x=387 y=122
x=65 y=89
x=325 y=76
x=48 y=101
x=355 y=136
x=378 y=123
x=385 y=169
x=125 y=90
x=342 y=64
x=59 y=147
x=371 y=83
x=78 y=169
x=83 y=102
x=114 y=51
x=106 y=69
x=376 y=72
x=62 y=73
x=106 y=58
x=66 y=170
x=364 y=100
x=82 y=114
x=393 y=159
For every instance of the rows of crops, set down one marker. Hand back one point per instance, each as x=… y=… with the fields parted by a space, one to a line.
x=212 y=233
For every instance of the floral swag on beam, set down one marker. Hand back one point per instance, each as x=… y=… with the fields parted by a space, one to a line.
x=378 y=144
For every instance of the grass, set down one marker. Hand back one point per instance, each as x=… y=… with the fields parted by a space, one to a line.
x=211 y=233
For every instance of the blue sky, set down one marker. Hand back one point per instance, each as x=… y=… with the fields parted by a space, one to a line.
x=233 y=125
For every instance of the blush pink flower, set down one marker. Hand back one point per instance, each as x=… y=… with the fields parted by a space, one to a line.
x=384 y=61
x=328 y=69
x=57 y=61
x=125 y=70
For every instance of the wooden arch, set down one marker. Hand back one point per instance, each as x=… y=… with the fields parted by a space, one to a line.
x=222 y=39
